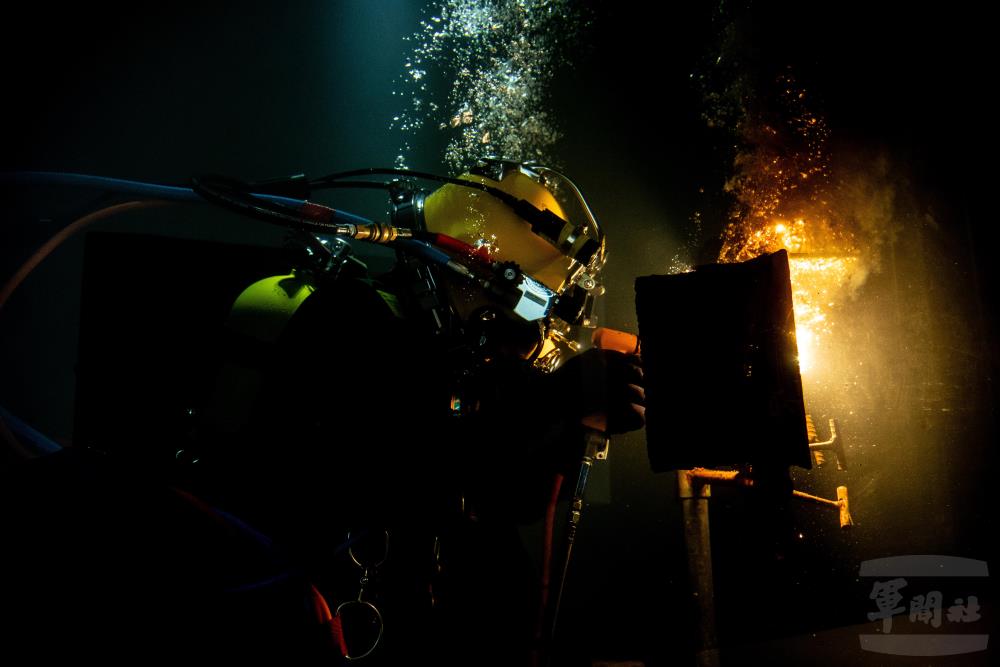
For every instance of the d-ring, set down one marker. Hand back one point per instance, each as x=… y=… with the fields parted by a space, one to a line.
x=378 y=618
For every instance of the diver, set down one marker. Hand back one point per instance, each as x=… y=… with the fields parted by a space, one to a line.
x=404 y=426
x=388 y=433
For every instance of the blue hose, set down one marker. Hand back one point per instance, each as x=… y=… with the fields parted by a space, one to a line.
x=425 y=250
x=144 y=190
x=134 y=188
x=174 y=193
x=36 y=442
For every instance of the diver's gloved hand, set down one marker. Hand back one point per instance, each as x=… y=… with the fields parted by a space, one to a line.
x=602 y=389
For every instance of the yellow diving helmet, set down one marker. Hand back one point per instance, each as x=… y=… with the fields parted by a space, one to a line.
x=538 y=223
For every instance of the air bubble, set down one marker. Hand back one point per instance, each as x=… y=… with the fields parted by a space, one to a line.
x=498 y=58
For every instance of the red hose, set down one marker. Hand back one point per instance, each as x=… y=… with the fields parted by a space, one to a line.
x=547 y=539
x=451 y=244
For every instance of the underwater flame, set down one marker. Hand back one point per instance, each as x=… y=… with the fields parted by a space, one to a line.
x=820 y=281
x=818 y=284
x=784 y=200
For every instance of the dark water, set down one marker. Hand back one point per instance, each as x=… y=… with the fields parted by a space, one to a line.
x=261 y=89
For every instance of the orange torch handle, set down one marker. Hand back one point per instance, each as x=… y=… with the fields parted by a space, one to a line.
x=612 y=339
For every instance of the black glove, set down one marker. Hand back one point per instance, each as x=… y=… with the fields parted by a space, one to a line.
x=600 y=388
